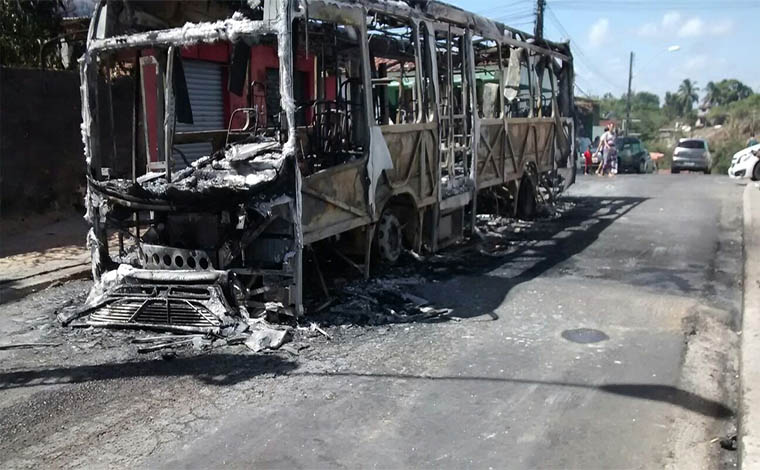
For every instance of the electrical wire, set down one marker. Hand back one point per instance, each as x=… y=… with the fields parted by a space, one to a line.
x=578 y=50
x=514 y=4
x=582 y=91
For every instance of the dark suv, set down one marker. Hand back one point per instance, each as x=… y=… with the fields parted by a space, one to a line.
x=632 y=156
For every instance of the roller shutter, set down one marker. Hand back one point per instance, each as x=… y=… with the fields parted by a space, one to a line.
x=205 y=87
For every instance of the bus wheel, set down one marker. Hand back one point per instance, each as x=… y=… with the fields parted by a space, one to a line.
x=526 y=200
x=389 y=238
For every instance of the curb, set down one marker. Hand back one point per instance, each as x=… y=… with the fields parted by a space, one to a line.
x=15 y=290
x=749 y=356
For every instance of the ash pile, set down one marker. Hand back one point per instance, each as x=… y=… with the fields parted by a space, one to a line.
x=380 y=301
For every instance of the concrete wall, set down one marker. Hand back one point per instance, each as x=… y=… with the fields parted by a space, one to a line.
x=41 y=155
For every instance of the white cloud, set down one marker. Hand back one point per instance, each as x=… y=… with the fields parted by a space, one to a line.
x=673 y=23
x=722 y=28
x=671 y=19
x=696 y=63
x=599 y=32
x=670 y=22
x=693 y=27
x=648 y=30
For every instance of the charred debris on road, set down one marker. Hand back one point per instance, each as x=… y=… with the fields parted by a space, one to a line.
x=342 y=301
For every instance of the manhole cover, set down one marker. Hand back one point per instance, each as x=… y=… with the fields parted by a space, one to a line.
x=584 y=335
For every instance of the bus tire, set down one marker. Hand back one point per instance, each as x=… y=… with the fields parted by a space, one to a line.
x=389 y=238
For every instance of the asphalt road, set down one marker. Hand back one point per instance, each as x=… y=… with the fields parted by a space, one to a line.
x=647 y=268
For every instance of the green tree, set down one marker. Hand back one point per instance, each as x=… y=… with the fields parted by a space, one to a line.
x=672 y=105
x=687 y=95
x=731 y=90
x=712 y=95
x=645 y=100
x=24 y=26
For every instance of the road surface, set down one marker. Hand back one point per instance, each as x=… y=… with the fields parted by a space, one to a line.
x=604 y=337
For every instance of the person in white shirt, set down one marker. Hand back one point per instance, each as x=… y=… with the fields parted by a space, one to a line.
x=608 y=151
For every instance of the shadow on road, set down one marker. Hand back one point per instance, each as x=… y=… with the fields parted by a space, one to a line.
x=652 y=392
x=211 y=369
x=672 y=395
x=455 y=276
x=490 y=277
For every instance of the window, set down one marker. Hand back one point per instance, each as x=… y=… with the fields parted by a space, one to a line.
x=692 y=144
x=451 y=76
x=548 y=87
x=455 y=107
x=488 y=77
x=393 y=64
x=427 y=86
x=328 y=93
x=273 y=95
x=517 y=90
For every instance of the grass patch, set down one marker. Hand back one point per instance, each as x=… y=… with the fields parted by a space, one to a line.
x=723 y=151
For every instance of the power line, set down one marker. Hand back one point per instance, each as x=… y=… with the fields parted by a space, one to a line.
x=514 y=4
x=576 y=48
x=581 y=90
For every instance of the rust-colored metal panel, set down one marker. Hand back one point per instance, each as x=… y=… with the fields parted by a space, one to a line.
x=529 y=140
x=414 y=153
x=491 y=155
x=334 y=197
x=545 y=129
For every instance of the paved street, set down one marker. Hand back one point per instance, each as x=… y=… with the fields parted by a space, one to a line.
x=602 y=338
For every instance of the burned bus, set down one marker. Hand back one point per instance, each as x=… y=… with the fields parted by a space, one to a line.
x=254 y=130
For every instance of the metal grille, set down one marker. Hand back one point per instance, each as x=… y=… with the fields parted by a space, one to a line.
x=182 y=306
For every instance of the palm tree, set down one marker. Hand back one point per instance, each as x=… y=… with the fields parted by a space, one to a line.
x=672 y=105
x=687 y=94
x=712 y=95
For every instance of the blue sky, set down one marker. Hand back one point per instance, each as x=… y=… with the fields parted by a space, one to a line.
x=717 y=38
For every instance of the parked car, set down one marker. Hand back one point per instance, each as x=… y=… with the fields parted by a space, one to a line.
x=692 y=155
x=632 y=156
x=746 y=164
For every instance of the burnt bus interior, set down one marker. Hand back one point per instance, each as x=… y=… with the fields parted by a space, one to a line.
x=244 y=148
x=332 y=128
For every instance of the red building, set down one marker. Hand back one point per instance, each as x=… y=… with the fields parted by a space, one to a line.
x=206 y=69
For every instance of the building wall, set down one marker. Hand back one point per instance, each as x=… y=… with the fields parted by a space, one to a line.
x=42 y=163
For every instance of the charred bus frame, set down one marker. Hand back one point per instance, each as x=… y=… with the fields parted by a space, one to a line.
x=421 y=113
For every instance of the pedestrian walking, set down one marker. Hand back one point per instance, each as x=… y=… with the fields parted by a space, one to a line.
x=608 y=152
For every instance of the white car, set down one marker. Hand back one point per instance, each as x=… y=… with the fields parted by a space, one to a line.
x=745 y=164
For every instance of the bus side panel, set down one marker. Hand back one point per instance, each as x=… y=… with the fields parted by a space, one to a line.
x=334 y=201
x=530 y=141
x=493 y=160
x=545 y=134
x=413 y=150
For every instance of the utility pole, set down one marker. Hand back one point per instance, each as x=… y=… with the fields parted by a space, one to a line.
x=538 y=32
x=628 y=101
